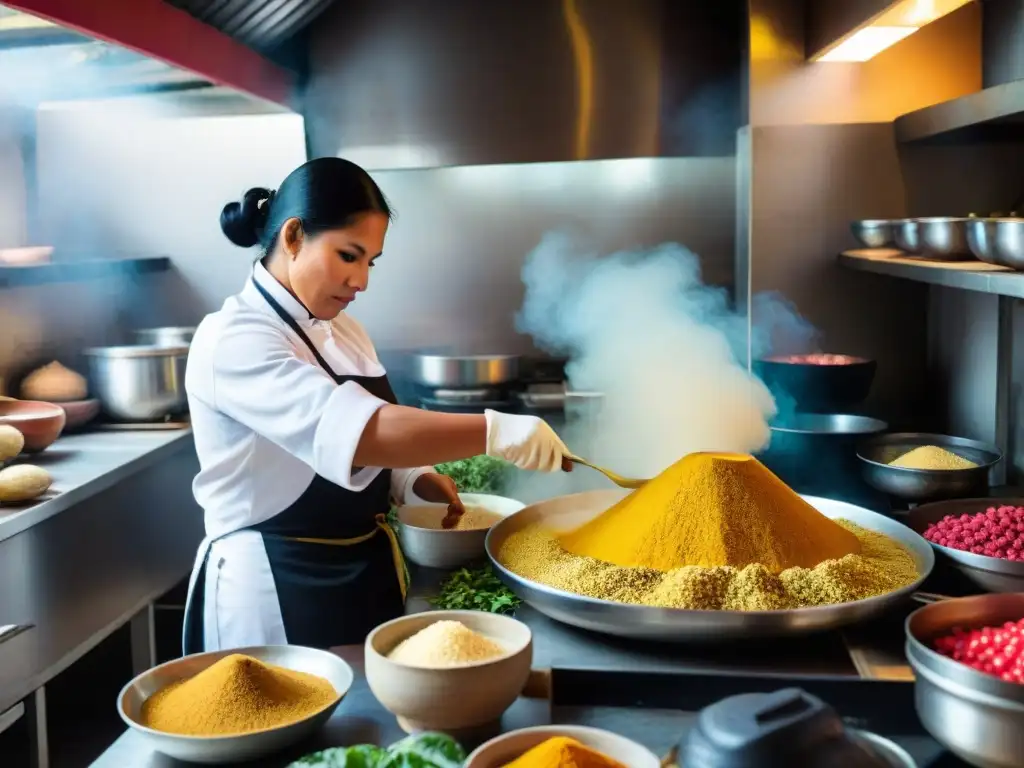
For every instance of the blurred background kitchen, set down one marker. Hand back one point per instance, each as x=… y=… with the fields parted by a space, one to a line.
x=751 y=134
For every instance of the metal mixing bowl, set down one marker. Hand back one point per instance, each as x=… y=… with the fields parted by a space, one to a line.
x=144 y=383
x=993 y=574
x=998 y=241
x=977 y=716
x=248 y=746
x=905 y=233
x=873 y=233
x=464 y=372
x=943 y=238
x=921 y=485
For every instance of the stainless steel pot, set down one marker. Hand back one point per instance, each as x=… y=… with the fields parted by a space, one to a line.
x=143 y=383
x=464 y=372
x=166 y=337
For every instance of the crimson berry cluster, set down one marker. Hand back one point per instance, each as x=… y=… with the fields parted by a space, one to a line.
x=996 y=532
x=995 y=651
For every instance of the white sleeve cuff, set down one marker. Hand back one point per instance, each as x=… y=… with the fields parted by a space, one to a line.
x=402 y=481
x=341 y=426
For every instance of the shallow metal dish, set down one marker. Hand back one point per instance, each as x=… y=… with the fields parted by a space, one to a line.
x=232 y=749
x=905 y=234
x=873 y=233
x=993 y=574
x=671 y=624
x=977 y=716
x=464 y=372
x=943 y=238
x=921 y=485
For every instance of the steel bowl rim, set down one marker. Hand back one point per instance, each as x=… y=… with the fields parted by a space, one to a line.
x=954 y=669
x=168 y=329
x=873 y=222
x=129 y=351
x=942 y=219
x=891 y=437
x=467 y=358
x=806 y=611
x=221 y=738
x=796 y=431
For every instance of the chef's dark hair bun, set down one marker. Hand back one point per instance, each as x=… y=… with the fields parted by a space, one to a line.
x=323 y=194
x=244 y=222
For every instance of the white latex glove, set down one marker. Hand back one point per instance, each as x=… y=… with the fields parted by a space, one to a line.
x=525 y=441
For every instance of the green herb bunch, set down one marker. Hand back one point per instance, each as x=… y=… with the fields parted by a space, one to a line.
x=477 y=589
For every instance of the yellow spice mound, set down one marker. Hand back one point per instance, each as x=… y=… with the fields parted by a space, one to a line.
x=563 y=752
x=932 y=457
x=445 y=644
x=708 y=510
x=238 y=694
x=882 y=566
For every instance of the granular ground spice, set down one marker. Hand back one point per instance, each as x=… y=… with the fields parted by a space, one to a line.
x=883 y=565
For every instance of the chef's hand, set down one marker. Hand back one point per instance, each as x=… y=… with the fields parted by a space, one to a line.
x=525 y=441
x=440 y=489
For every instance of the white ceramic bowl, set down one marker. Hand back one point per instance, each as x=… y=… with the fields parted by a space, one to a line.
x=502 y=750
x=217 y=750
x=438 y=548
x=453 y=699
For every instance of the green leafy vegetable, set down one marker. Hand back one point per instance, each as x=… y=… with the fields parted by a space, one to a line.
x=424 y=750
x=479 y=474
x=358 y=756
x=476 y=590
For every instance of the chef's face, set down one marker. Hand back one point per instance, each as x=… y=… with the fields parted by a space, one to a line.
x=329 y=269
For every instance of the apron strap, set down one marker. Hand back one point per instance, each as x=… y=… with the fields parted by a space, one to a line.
x=401 y=569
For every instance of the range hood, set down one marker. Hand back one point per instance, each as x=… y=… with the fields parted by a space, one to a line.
x=394 y=84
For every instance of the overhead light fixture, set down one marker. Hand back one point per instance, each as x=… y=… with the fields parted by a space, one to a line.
x=883 y=31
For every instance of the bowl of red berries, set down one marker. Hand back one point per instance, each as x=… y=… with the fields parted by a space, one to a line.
x=968 y=660
x=982 y=538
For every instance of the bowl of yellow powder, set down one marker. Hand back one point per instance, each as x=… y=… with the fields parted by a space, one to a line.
x=919 y=467
x=426 y=543
x=231 y=706
x=449 y=671
x=561 y=745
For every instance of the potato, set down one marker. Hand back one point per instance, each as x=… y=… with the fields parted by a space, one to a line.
x=11 y=442
x=23 y=482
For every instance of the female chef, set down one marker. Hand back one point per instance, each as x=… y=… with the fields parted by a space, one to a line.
x=300 y=441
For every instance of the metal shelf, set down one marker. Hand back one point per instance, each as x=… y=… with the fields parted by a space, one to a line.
x=76 y=271
x=991 y=114
x=996 y=283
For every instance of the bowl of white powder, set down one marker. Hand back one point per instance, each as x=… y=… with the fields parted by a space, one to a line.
x=448 y=671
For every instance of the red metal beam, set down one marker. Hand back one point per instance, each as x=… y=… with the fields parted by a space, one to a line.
x=156 y=29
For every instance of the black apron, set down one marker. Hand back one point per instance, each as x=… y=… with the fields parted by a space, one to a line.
x=336 y=566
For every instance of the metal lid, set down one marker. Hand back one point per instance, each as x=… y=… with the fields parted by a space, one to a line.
x=138 y=350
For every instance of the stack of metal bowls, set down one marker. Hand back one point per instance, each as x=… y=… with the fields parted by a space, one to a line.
x=997 y=241
x=993 y=574
x=977 y=716
x=942 y=238
x=918 y=486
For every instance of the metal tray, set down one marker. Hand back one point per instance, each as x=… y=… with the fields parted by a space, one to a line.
x=671 y=624
x=993 y=574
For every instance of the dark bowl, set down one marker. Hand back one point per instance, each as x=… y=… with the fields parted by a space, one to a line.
x=922 y=485
x=993 y=574
x=833 y=384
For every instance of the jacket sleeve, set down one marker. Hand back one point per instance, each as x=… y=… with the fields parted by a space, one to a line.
x=260 y=382
x=402 y=481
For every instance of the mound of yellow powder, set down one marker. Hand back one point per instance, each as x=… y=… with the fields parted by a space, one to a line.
x=712 y=510
x=238 y=694
x=445 y=644
x=932 y=457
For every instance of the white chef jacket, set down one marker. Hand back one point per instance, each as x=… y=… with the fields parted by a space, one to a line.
x=267 y=419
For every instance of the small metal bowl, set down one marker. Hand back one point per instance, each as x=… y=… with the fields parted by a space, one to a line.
x=998 y=241
x=873 y=233
x=943 y=238
x=921 y=485
x=905 y=234
x=993 y=574
x=978 y=717
x=213 y=750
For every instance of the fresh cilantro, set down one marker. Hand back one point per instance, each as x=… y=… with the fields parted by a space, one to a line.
x=479 y=474
x=478 y=589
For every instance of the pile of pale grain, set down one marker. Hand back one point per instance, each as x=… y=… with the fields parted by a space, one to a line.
x=445 y=644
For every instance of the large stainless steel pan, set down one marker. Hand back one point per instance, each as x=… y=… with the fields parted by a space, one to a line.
x=464 y=372
x=669 y=624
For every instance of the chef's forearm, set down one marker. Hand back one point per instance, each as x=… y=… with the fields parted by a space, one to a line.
x=397 y=436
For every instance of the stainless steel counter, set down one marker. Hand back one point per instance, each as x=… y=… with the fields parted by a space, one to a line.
x=86 y=464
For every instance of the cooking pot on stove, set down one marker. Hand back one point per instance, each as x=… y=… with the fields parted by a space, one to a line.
x=786 y=728
x=818 y=383
x=453 y=372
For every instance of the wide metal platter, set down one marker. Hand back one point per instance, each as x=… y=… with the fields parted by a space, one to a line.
x=670 y=624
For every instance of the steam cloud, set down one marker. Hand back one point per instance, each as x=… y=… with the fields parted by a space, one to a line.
x=664 y=349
